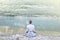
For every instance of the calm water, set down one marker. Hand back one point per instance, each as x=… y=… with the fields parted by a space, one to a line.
x=41 y=23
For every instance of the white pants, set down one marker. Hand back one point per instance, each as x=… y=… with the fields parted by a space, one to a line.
x=31 y=34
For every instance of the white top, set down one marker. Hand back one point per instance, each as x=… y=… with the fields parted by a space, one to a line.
x=30 y=27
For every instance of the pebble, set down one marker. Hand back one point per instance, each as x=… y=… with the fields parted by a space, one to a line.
x=21 y=37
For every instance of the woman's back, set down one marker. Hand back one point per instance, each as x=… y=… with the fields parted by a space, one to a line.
x=30 y=27
x=31 y=30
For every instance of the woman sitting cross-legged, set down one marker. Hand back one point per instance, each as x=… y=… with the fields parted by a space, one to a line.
x=30 y=32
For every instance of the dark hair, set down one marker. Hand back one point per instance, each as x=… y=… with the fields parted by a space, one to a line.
x=30 y=22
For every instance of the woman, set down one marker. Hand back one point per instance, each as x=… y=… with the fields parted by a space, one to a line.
x=30 y=32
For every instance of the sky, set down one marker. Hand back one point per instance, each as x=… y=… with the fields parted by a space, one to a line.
x=34 y=7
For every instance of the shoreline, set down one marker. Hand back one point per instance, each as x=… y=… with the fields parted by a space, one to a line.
x=7 y=30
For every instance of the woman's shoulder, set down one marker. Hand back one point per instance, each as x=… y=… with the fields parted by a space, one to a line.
x=30 y=25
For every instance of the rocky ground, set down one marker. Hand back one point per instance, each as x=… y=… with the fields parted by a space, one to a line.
x=22 y=37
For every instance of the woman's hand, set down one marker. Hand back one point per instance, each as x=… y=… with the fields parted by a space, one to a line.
x=26 y=31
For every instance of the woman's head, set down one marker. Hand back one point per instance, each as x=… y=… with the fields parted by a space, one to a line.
x=30 y=22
